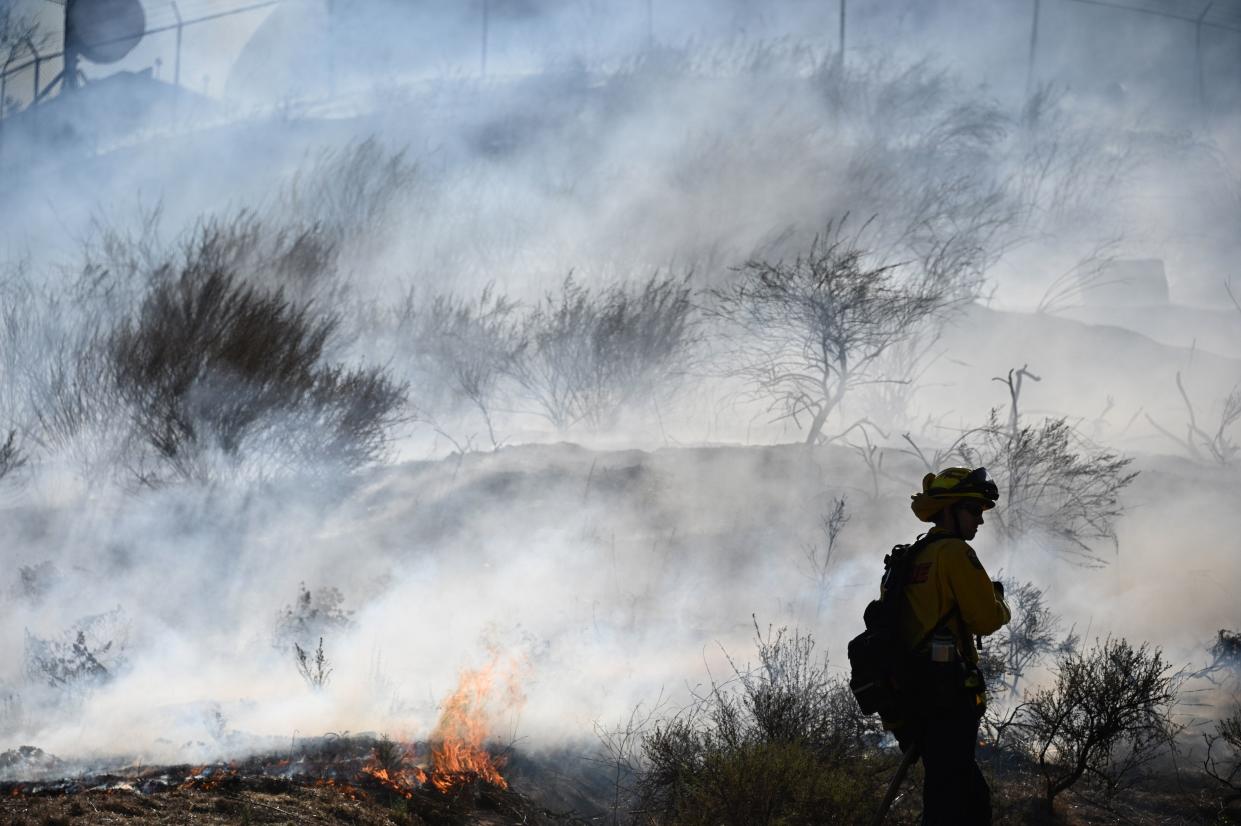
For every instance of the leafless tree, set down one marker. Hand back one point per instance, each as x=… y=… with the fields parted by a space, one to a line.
x=1107 y=714
x=802 y=334
x=1200 y=443
x=1055 y=485
x=588 y=353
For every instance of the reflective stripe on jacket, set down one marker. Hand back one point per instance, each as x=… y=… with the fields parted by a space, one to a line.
x=944 y=574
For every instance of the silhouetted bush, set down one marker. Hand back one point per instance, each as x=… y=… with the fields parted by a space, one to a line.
x=588 y=353
x=12 y=457
x=1107 y=715
x=1226 y=650
x=210 y=362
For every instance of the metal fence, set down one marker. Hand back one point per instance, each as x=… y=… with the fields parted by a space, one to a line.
x=25 y=58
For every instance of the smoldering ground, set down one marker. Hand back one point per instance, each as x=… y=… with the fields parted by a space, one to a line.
x=600 y=575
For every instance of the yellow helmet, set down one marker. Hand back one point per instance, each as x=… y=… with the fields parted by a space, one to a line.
x=953 y=485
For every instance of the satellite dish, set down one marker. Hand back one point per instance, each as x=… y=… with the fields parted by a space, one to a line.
x=104 y=31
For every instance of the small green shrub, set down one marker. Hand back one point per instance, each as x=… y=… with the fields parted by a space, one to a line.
x=781 y=743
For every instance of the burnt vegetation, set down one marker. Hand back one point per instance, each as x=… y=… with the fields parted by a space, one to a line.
x=801 y=334
x=461 y=353
x=1058 y=489
x=213 y=366
x=578 y=357
x=1222 y=761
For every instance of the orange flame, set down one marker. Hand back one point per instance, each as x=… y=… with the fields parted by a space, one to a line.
x=402 y=778
x=338 y=786
x=458 y=744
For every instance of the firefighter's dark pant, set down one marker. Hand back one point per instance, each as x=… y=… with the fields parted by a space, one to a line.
x=954 y=791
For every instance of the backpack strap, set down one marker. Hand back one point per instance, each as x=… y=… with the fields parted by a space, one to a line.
x=942 y=622
x=918 y=544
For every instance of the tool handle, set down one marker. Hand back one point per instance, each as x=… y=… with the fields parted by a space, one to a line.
x=895 y=785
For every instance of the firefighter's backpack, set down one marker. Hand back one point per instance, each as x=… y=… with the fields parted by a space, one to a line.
x=882 y=668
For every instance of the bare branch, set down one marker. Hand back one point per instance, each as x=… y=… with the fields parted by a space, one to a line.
x=802 y=334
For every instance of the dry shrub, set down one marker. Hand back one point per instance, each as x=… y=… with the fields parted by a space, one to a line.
x=210 y=363
x=1107 y=715
x=590 y=352
x=460 y=352
x=310 y=616
x=1033 y=633
x=352 y=192
x=1222 y=762
x=782 y=743
x=84 y=656
x=1056 y=487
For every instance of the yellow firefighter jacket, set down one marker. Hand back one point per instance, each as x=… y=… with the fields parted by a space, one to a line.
x=945 y=574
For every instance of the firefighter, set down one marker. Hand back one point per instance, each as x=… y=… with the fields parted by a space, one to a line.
x=949 y=600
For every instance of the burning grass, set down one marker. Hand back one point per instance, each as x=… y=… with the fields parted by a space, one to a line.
x=454 y=777
x=361 y=779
